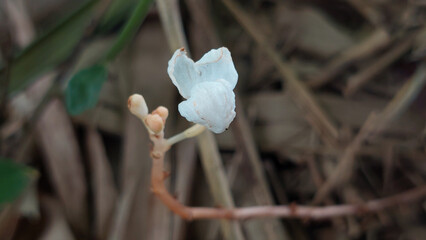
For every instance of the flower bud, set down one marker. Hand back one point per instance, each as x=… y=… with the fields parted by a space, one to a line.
x=137 y=105
x=163 y=112
x=154 y=122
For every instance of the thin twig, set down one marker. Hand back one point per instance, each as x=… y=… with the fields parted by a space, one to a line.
x=339 y=223
x=316 y=116
x=376 y=41
x=218 y=182
x=361 y=78
x=244 y=136
x=374 y=124
x=306 y=212
x=368 y=11
x=284 y=211
x=155 y=126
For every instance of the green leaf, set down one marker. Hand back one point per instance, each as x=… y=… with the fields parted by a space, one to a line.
x=83 y=90
x=129 y=30
x=14 y=178
x=50 y=49
x=117 y=12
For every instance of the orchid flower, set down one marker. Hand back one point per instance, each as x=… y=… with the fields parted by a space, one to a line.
x=207 y=85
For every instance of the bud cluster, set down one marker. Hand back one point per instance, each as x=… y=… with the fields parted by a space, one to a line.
x=154 y=121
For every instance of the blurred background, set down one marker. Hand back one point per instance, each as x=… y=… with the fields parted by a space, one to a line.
x=331 y=110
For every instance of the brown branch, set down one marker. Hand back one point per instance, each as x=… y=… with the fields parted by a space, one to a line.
x=158 y=175
x=284 y=211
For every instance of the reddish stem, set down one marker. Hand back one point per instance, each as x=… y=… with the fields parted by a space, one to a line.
x=284 y=211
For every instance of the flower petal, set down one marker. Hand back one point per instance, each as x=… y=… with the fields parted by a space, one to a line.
x=211 y=104
x=183 y=72
x=217 y=64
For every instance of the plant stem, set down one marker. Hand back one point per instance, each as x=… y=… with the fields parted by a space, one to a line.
x=129 y=29
x=172 y=22
x=188 y=133
x=158 y=187
x=283 y=211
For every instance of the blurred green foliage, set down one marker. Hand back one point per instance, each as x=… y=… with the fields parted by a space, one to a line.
x=130 y=29
x=56 y=45
x=117 y=12
x=14 y=178
x=50 y=49
x=83 y=90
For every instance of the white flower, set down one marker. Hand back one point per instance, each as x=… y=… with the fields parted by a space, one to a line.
x=208 y=87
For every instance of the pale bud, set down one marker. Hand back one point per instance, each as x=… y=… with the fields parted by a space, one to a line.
x=163 y=112
x=137 y=105
x=154 y=122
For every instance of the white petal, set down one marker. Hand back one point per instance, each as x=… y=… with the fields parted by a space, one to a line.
x=183 y=72
x=216 y=64
x=211 y=104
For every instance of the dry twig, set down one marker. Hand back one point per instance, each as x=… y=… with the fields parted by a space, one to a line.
x=372 y=126
x=376 y=41
x=319 y=120
x=361 y=78
x=161 y=145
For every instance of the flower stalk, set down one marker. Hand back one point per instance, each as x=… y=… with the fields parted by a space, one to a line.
x=161 y=145
x=188 y=133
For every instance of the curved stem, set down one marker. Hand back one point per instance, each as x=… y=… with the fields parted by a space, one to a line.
x=159 y=189
x=283 y=211
x=158 y=175
x=188 y=133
